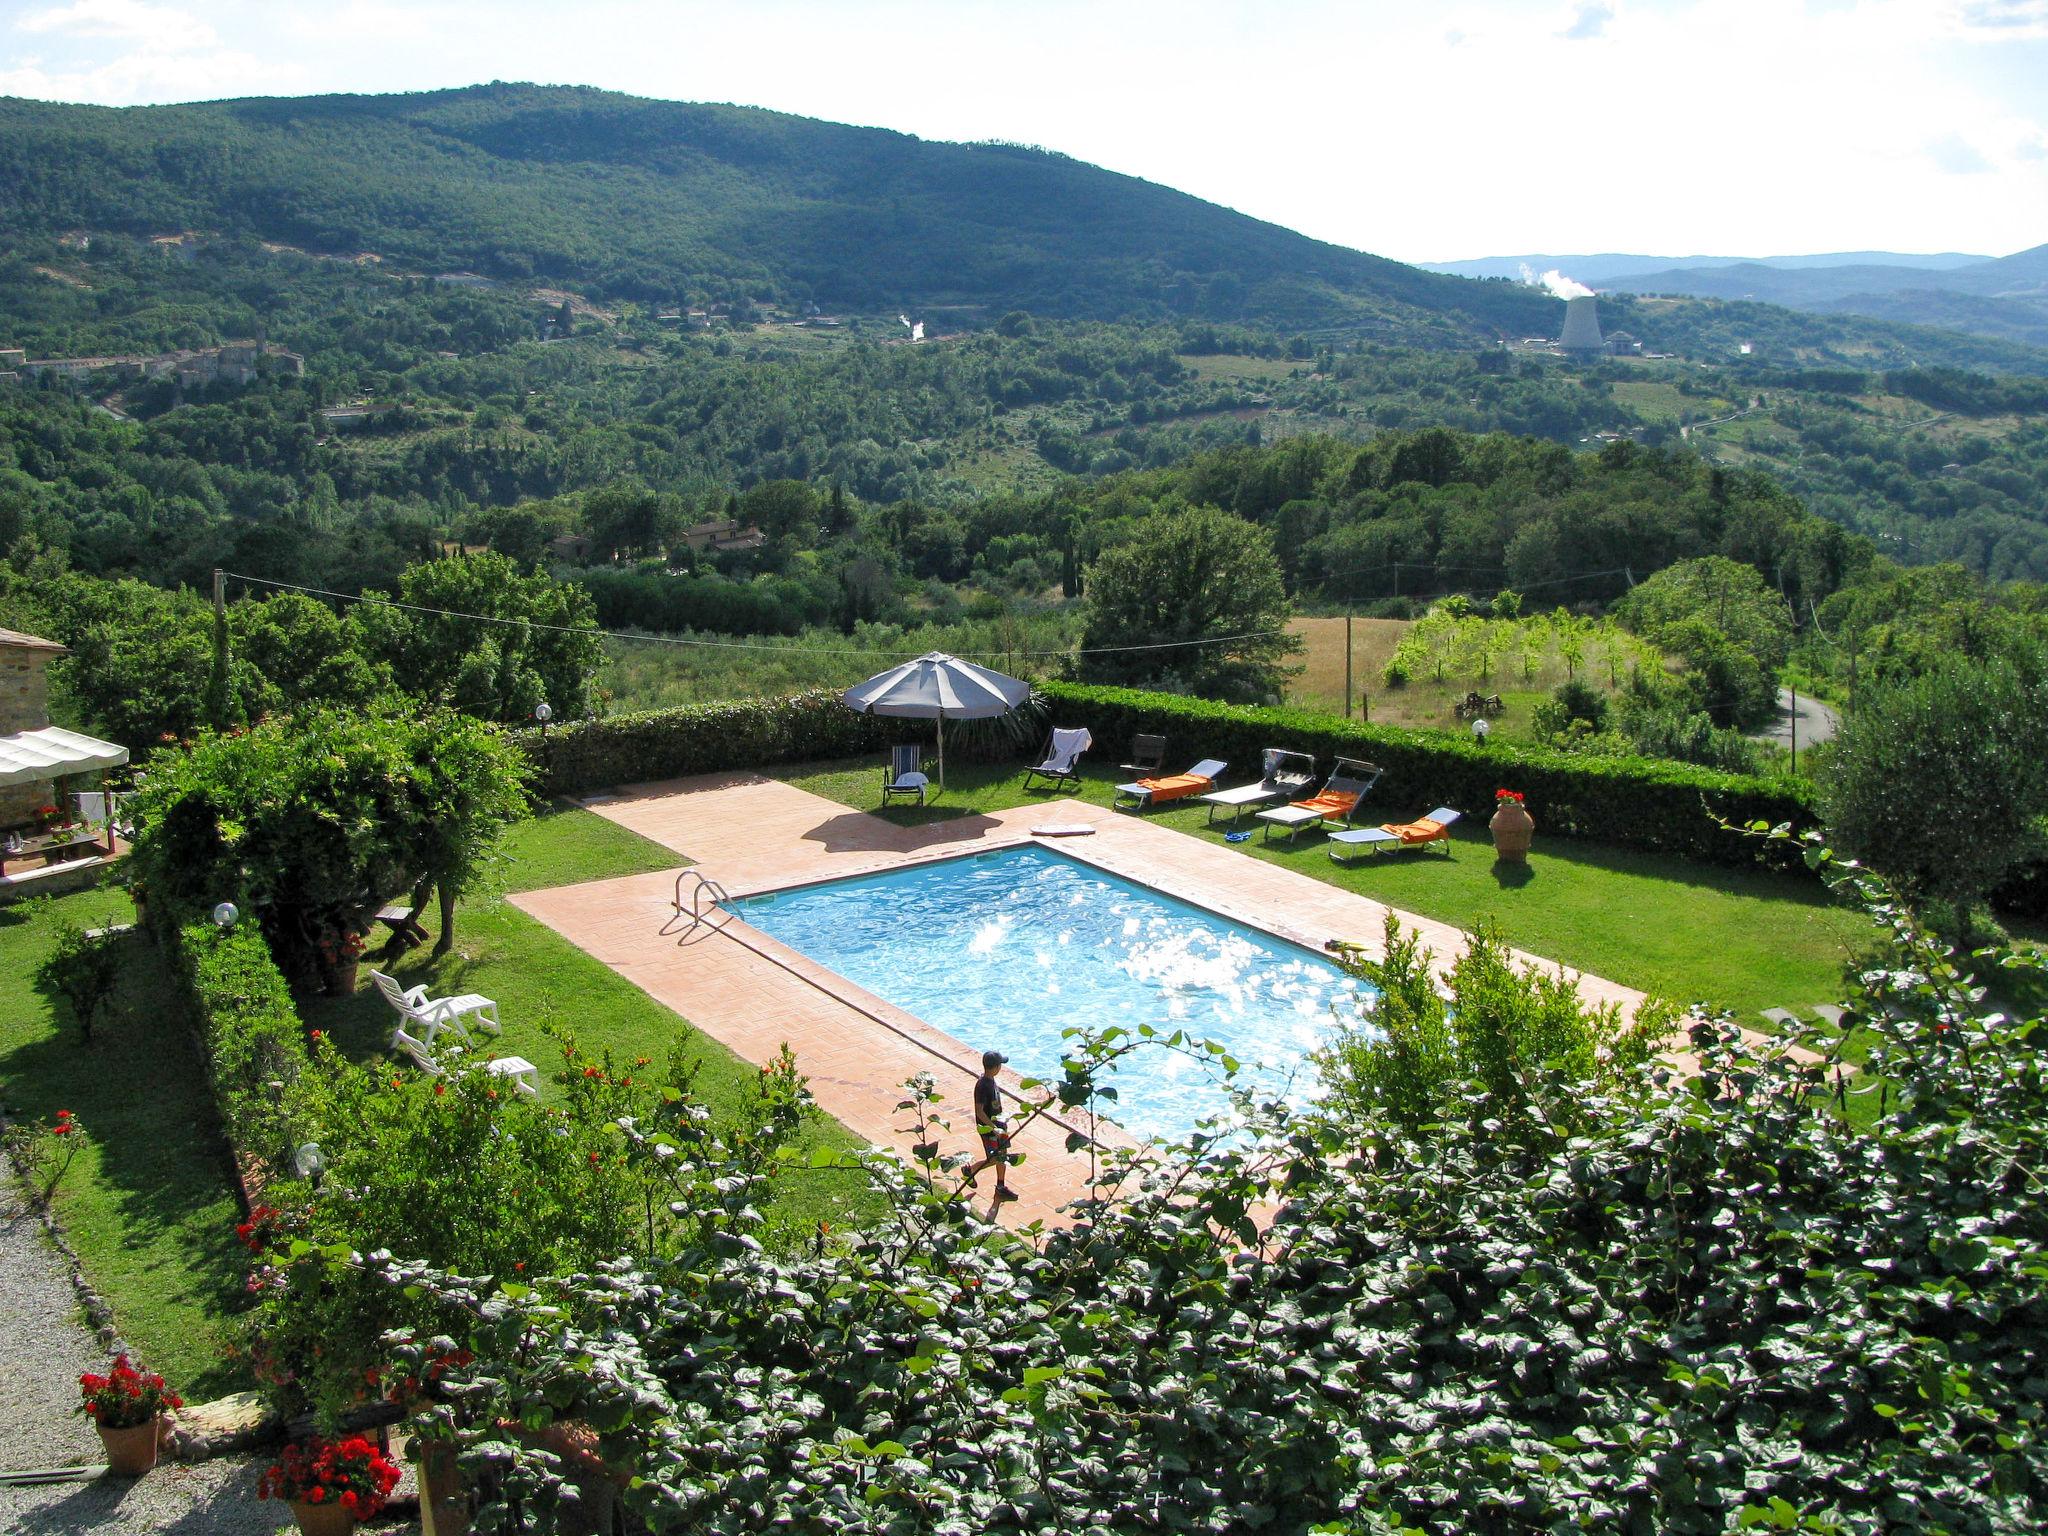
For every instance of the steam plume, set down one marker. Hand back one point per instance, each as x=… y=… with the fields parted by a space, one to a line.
x=1559 y=285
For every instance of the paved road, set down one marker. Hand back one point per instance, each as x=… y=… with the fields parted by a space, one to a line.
x=1817 y=722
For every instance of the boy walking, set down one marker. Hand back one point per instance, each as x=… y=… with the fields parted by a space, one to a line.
x=988 y=1120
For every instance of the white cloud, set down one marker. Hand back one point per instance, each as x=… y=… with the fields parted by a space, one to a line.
x=128 y=21
x=1590 y=22
x=2000 y=21
x=1957 y=156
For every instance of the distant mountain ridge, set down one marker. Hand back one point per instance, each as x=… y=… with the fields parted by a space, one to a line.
x=670 y=201
x=1601 y=268
x=2006 y=298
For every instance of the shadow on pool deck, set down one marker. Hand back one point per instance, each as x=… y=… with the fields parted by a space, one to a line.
x=859 y=832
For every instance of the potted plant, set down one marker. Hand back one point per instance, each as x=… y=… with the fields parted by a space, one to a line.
x=127 y=1406
x=1513 y=827
x=339 y=954
x=330 y=1484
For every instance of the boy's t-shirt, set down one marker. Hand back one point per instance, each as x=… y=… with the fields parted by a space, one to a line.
x=988 y=1102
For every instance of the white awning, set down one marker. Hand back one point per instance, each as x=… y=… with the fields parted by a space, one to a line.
x=52 y=753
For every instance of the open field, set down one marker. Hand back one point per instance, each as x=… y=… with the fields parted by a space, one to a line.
x=1423 y=703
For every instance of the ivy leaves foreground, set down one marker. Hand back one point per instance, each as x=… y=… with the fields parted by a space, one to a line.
x=1609 y=1300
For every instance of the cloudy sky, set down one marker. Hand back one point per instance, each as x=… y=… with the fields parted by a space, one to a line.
x=1423 y=132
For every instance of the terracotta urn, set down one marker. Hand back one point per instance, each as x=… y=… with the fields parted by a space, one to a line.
x=340 y=978
x=130 y=1451
x=322 y=1519
x=1513 y=829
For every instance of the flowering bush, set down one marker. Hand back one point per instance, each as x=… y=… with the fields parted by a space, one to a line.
x=43 y=1153
x=124 y=1397
x=352 y=1473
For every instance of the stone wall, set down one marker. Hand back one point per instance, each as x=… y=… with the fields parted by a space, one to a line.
x=24 y=690
x=24 y=706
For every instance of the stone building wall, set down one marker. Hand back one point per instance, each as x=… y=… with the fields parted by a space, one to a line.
x=24 y=706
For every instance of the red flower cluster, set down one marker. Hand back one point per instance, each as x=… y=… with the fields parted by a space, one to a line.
x=340 y=948
x=352 y=1473
x=264 y=1229
x=63 y=1127
x=124 y=1397
x=1503 y=795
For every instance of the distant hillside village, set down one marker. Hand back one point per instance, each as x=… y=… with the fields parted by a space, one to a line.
x=233 y=362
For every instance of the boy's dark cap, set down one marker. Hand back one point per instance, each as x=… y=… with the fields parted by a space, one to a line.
x=990 y=1060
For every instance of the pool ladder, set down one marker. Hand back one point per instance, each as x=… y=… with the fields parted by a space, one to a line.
x=706 y=889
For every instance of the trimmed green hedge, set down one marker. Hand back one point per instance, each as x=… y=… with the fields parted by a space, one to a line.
x=251 y=1032
x=1649 y=803
x=705 y=738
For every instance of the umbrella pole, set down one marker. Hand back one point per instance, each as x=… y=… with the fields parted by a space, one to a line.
x=942 y=749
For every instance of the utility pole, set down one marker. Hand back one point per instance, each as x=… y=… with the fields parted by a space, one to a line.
x=1347 y=663
x=217 y=678
x=1795 y=733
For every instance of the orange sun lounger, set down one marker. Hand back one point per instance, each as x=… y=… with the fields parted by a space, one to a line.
x=1423 y=830
x=1142 y=794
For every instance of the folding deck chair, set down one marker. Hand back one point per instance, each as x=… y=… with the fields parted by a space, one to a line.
x=905 y=773
x=1062 y=764
x=1144 y=794
x=1419 y=833
x=1285 y=775
x=1337 y=801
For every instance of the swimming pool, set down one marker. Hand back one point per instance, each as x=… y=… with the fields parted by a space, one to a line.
x=1004 y=950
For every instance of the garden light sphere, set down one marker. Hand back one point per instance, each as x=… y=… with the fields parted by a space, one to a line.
x=1480 y=729
x=225 y=914
x=543 y=712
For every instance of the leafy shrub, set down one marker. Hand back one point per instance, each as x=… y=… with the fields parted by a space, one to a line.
x=1525 y=1037
x=1637 y=802
x=1940 y=780
x=706 y=738
x=465 y=1171
x=254 y=1044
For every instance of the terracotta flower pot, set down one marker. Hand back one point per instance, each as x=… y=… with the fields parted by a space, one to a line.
x=130 y=1451
x=322 y=1519
x=340 y=979
x=444 y=1506
x=1513 y=830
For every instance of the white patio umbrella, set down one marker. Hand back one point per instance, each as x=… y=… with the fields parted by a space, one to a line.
x=938 y=687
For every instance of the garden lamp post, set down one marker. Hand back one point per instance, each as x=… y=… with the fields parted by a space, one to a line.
x=225 y=914
x=543 y=712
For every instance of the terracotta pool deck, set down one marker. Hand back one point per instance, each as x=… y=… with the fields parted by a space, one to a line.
x=751 y=834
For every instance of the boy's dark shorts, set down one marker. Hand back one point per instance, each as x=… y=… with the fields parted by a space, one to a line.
x=995 y=1143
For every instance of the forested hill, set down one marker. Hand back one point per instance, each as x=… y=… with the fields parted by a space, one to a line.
x=678 y=202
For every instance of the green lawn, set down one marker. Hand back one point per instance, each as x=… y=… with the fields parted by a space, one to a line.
x=149 y=1204
x=538 y=978
x=1738 y=939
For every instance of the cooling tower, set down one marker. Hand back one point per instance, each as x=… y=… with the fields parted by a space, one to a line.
x=1581 y=334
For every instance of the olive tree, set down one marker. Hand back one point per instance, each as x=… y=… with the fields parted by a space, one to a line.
x=315 y=821
x=1194 y=599
x=1940 y=781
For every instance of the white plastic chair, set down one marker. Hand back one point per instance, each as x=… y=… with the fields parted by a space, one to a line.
x=431 y=1015
x=523 y=1074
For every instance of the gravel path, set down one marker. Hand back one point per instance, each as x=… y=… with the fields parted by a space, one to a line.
x=44 y=1345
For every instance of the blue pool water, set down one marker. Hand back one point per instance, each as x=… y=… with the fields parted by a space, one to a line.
x=1004 y=950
